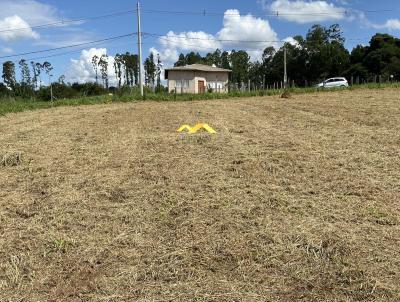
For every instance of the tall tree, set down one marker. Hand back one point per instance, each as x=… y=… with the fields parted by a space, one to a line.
x=25 y=73
x=103 y=64
x=181 y=61
x=256 y=74
x=193 y=58
x=135 y=67
x=225 y=61
x=61 y=79
x=131 y=68
x=95 y=63
x=47 y=68
x=217 y=58
x=240 y=64
x=9 y=74
x=35 y=76
x=150 y=70
x=118 y=62
x=39 y=68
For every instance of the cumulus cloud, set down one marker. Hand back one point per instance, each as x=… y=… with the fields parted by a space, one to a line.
x=391 y=24
x=189 y=41
x=302 y=11
x=15 y=28
x=238 y=31
x=16 y=14
x=33 y=12
x=82 y=71
x=246 y=28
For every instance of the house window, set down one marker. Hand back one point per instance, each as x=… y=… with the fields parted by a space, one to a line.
x=216 y=85
x=182 y=84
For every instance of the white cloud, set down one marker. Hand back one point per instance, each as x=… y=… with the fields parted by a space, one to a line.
x=246 y=28
x=82 y=70
x=391 y=24
x=15 y=28
x=15 y=14
x=33 y=12
x=237 y=32
x=6 y=50
x=303 y=11
x=291 y=41
x=189 y=41
x=23 y=14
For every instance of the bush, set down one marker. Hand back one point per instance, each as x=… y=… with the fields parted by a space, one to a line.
x=60 y=91
x=4 y=91
x=89 y=89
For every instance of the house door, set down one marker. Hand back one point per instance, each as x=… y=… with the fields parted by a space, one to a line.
x=202 y=87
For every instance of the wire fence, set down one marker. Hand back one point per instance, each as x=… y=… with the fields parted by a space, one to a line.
x=304 y=83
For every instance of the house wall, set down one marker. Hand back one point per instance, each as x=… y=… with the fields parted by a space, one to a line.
x=175 y=76
x=218 y=80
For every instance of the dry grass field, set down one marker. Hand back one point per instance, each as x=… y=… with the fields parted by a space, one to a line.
x=293 y=200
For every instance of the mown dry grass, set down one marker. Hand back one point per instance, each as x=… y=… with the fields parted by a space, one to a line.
x=292 y=200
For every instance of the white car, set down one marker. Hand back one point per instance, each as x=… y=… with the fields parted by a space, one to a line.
x=333 y=83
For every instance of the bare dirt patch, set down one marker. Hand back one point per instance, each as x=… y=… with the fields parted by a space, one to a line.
x=290 y=201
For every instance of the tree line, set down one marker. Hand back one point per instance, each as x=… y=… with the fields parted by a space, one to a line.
x=318 y=55
x=31 y=82
x=125 y=68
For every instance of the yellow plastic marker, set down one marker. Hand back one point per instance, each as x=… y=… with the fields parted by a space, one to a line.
x=197 y=128
x=185 y=127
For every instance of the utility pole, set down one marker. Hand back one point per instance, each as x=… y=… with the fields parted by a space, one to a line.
x=285 y=78
x=51 y=89
x=140 y=50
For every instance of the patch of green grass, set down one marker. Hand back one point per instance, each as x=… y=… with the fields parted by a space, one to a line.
x=11 y=105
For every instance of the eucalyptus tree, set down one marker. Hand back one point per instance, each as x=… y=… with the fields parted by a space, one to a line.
x=131 y=68
x=35 y=75
x=9 y=74
x=39 y=68
x=150 y=70
x=25 y=73
x=118 y=65
x=95 y=62
x=47 y=69
x=61 y=79
x=103 y=64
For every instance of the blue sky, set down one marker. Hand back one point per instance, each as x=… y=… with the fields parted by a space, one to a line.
x=235 y=20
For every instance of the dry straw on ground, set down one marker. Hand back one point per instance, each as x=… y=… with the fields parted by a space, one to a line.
x=290 y=201
x=10 y=159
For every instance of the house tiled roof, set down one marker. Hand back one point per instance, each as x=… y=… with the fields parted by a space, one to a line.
x=198 y=67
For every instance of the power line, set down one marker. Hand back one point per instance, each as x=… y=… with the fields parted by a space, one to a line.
x=67 y=53
x=213 y=39
x=207 y=13
x=196 y=46
x=203 y=13
x=68 y=46
x=74 y=51
x=177 y=37
x=69 y=21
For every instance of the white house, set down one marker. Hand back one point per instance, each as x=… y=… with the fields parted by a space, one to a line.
x=197 y=78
